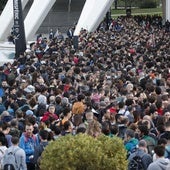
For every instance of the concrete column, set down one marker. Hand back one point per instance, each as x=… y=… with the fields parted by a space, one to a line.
x=164 y=9
x=6 y=19
x=92 y=14
x=36 y=16
x=85 y=16
x=167 y=10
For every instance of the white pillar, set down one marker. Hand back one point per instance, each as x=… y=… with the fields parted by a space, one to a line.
x=92 y=14
x=6 y=19
x=35 y=17
x=85 y=16
x=168 y=10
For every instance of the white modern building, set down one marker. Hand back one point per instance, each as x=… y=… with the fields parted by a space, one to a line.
x=87 y=13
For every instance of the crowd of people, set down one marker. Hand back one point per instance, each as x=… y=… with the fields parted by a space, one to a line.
x=116 y=82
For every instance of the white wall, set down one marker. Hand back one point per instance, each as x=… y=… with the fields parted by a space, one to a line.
x=6 y=19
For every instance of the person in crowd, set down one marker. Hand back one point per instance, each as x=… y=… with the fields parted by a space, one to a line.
x=144 y=134
x=67 y=114
x=43 y=135
x=67 y=128
x=130 y=141
x=27 y=142
x=94 y=129
x=142 y=153
x=3 y=146
x=120 y=75
x=6 y=130
x=19 y=154
x=160 y=162
x=50 y=113
x=166 y=134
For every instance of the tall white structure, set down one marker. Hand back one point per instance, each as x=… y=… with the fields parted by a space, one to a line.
x=6 y=19
x=35 y=17
x=167 y=9
x=92 y=14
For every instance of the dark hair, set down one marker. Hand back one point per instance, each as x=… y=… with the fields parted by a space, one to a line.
x=80 y=97
x=114 y=129
x=81 y=130
x=15 y=140
x=58 y=100
x=3 y=139
x=162 y=141
x=67 y=124
x=44 y=134
x=159 y=150
x=56 y=130
x=66 y=110
x=106 y=128
x=121 y=104
x=130 y=133
x=5 y=126
x=144 y=129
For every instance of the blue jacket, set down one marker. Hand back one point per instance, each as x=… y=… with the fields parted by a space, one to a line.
x=28 y=144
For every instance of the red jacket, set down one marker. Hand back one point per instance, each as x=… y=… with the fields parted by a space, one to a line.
x=47 y=115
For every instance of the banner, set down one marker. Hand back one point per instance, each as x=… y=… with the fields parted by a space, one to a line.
x=19 y=30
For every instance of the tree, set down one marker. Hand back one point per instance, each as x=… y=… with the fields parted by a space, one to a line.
x=84 y=152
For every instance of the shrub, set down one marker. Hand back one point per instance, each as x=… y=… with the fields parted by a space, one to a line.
x=83 y=152
x=148 y=4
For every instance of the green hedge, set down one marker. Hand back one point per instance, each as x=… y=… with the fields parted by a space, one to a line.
x=83 y=152
x=148 y=4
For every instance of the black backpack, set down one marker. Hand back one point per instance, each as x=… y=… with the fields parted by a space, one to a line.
x=136 y=163
x=133 y=150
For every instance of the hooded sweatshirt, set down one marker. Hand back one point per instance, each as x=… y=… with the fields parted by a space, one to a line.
x=160 y=164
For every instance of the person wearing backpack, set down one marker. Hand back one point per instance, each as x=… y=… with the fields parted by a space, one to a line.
x=27 y=142
x=144 y=134
x=130 y=141
x=140 y=159
x=43 y=135
x=14 y=157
